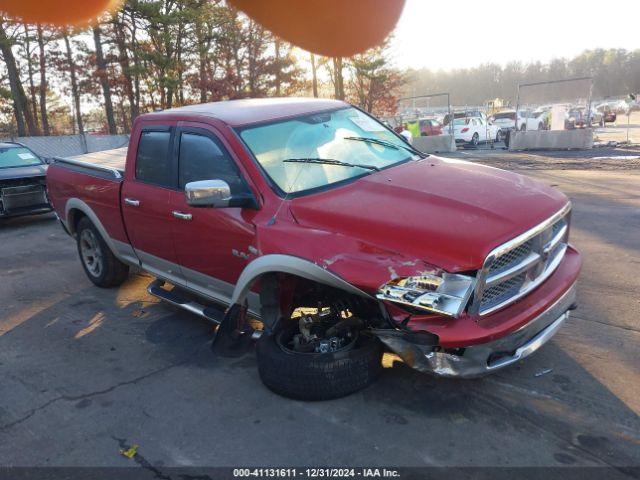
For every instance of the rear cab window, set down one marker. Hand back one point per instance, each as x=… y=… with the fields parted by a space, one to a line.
x=153 y=159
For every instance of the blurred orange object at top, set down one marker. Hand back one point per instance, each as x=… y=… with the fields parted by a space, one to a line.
x=57 y=12
x=334 y=28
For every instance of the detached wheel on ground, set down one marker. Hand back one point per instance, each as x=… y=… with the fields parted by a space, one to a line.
x=99 y=263
x=317 y=376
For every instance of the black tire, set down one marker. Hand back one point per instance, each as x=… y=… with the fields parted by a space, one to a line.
x=106 y=270
x=318 y=376
x=475 y=140
x=523 y=128
x=498 y=136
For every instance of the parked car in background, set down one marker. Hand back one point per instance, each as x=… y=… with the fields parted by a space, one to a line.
x=527 y=120
x=429 y=127
x=22 y=181
x=607 y=114
x=619 y=106
x=463 y=114
x=576 y=118
x=596 y=118
x=543 y=116
x=475 y=130
x=302 y=213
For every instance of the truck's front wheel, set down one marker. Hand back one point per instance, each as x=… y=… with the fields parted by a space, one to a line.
x=99 y=263
x=317 y=376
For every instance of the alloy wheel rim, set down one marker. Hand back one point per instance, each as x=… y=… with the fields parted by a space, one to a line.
x=91 y=254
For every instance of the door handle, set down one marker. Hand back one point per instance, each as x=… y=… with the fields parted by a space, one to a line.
x=182 y=216
x=132 y=202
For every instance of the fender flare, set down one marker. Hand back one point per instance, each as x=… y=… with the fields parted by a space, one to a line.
x=278 y=263
x=77 y=204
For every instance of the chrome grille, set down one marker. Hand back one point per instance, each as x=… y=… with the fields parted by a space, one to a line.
x=517 y=267
x=503 y=291
x=511 y=257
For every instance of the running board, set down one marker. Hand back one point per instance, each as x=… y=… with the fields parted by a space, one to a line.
x=181 y=300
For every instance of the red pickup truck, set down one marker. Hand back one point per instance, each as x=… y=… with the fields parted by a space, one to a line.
x=323 y=224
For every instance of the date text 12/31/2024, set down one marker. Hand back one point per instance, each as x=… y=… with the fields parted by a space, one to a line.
x=315 y=473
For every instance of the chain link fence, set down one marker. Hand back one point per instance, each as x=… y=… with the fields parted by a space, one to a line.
x=554 y=114
x=426 y=121
x=622 y=125
x=69 y=145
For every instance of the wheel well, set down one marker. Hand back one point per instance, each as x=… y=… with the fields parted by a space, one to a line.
x=73 y=218
x=282 y=293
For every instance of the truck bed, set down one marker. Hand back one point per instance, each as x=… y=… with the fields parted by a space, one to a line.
x=92 y=181
x=109 y=162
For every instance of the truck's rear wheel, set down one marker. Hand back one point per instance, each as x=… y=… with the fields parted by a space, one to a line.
x=99 y=263
x=317 y=376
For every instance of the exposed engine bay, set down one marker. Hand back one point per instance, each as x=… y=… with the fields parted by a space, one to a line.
x=328 y=330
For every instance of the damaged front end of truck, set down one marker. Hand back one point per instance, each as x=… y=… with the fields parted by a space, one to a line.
x=464 y=324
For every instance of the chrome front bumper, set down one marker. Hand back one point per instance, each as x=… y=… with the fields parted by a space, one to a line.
x=479 y=360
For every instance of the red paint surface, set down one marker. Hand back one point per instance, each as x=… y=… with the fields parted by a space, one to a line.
x=101 y=195
x=428 y=215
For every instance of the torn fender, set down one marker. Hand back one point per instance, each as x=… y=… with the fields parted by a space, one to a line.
x=276 y=263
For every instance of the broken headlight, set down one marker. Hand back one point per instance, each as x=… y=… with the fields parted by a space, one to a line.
x=447 y=293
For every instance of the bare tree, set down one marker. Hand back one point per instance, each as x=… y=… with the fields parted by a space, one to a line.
x=314 y=76
x=30 y=73
x=75 y=92
x=20 y=103
x=338 y=78
x=125 y=64
x=104 y=80
x=43 y=81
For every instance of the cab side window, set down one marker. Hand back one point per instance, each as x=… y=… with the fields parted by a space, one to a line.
x=203 y=158
x=153 y=161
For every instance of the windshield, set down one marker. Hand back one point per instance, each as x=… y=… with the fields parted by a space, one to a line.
x=17 y=157
x=337 y=136
x=461 y=121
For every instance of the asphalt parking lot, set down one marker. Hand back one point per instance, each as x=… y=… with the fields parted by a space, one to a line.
x=86 y=372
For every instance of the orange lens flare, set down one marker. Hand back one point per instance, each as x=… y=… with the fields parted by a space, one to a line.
x=60 y=13
x=333 y=28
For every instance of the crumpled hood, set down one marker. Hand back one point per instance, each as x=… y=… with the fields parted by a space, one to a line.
x=448 y=213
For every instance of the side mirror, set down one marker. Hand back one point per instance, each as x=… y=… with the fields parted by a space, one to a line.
x=208 y=193
x=216 y=194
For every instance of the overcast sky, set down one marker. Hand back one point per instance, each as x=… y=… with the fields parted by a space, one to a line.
x=446 y=34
